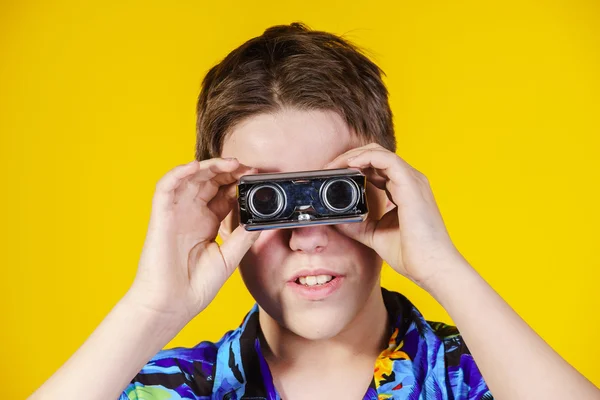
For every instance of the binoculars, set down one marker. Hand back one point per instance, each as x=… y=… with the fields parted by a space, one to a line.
x=295 y=199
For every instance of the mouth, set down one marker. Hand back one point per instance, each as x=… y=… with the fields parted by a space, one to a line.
x=315 y=285
x=314 y=280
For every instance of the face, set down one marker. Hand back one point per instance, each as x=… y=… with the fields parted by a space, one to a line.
x=298 y=140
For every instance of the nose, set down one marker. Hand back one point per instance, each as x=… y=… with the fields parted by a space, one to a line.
x=309 y=239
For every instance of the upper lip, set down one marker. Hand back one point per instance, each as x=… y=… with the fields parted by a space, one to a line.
x=314 y=272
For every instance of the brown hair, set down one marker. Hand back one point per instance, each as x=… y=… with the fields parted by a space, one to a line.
x=291 y=65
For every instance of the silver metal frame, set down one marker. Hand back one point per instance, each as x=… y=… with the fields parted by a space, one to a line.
x=299 y=174
x=272 y=178
x=273 y=225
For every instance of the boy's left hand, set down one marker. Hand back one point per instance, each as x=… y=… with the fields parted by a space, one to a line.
x=411 y=237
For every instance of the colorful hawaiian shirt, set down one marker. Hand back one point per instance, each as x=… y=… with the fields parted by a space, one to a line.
x=424 y=360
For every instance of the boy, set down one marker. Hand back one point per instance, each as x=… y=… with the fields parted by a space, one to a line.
x=295 y=100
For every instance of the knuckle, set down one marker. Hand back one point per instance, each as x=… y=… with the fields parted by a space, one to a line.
x=164 y=184
x=160 y=184
x=208 y=162
x=422 y=177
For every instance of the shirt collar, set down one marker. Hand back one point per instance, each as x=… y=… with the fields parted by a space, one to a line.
x=242 y=372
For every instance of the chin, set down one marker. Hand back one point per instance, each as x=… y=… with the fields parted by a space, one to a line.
x=317 y=323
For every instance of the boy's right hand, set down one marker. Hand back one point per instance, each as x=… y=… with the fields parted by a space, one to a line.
x=182 y=268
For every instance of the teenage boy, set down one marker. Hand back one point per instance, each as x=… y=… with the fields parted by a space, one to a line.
x=323 y=328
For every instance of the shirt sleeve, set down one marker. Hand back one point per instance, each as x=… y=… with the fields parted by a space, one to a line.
x=174 y=374
x=464 y=379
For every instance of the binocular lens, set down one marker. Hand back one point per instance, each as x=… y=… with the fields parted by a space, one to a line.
x=266 y=201
x=340 y=195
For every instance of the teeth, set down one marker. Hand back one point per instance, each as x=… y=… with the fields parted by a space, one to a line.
x=314 y=280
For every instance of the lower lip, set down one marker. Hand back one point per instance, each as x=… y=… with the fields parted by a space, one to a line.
x=317 y=292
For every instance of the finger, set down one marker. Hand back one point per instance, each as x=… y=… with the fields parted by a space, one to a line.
x=213 y=167
x=178 y=181
x=224 y=201
x=165 y=187
x=378 y=180
x=236 y=246
x=196 y=186
x=224 y=177
x=373 y=174
x=388 y=164
x=362 y=232
x=374 y=177
x=209 y=189
x=341 y=160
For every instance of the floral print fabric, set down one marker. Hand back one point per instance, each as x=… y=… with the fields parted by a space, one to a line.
x=423 y=360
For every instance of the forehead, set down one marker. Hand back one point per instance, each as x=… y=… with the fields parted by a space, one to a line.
x=289 y=140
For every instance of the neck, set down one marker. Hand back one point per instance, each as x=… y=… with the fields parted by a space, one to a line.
x=364 y=337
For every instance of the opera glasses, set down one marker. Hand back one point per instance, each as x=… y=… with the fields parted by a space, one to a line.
x=295 y=199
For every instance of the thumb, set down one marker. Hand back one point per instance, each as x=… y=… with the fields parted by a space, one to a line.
x=362 y=232
x=236 y=245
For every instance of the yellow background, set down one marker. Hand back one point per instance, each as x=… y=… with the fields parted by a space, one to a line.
x=498 y=103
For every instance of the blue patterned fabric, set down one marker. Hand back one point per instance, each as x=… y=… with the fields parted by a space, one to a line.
x=424 y=360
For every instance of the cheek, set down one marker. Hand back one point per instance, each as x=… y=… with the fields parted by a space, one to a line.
x=270 y=243
x=370 y=263
x=261 y=262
